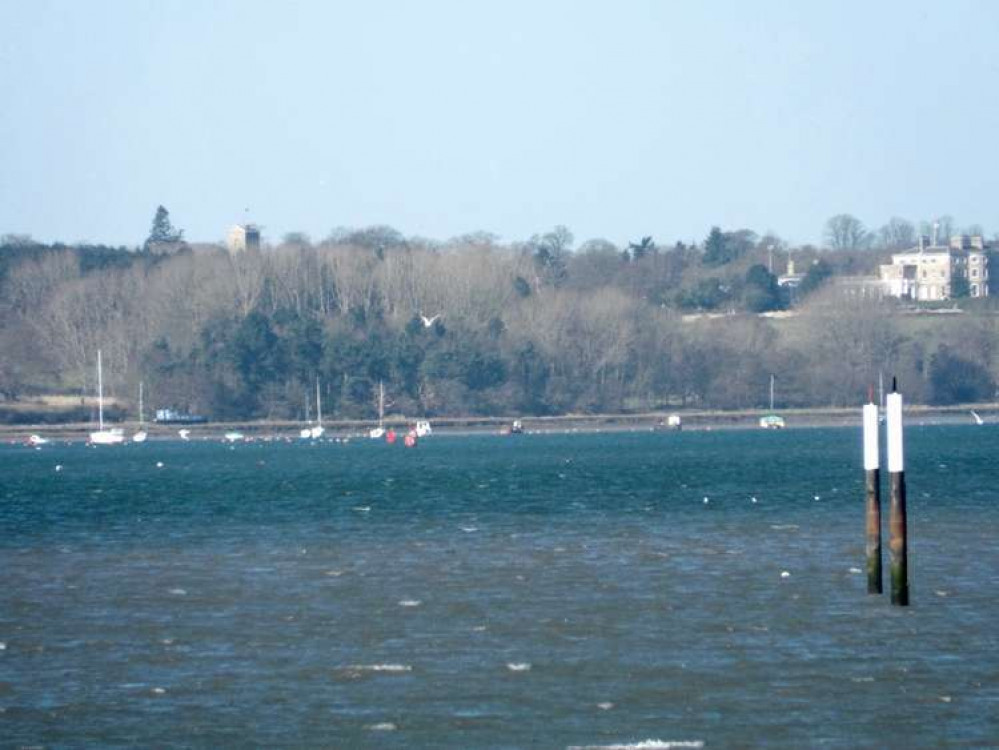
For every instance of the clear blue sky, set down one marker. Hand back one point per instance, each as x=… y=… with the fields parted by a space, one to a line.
x=617 y=119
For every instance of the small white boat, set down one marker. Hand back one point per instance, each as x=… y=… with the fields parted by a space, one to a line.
x=233 y=436
x=772 y=421
x=423 y=428
x=377 y=433
x=184 y=434
x=37 y=440
x=140 y=436
x=978 y=419
x=112 y=436
x=315 y=432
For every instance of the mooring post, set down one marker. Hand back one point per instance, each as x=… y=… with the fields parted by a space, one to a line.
x=872 y=474
x=898 y=541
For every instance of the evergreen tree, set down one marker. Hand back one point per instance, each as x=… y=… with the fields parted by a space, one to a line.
x=760 y=292
x=162 y=230
x=714 y=248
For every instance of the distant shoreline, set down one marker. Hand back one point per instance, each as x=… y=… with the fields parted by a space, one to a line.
x=582 y=423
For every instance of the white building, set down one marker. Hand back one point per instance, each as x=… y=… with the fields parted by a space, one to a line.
x=927 y=273
x=243 y=237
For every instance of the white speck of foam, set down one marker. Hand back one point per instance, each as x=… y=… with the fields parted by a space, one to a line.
x=785 y=574
x=856 y=570
x=644 y=745
x=363 y=508
x=519 y=667
x=178 y=592
x=159 y=691
x=3 y=646
x=410 y=603
x=752 y=499
x=706 y=501
x=391 y=668
x=385 y=726
x=159 y=464
x=605 y=706
x=58 y=467
x=469 y=529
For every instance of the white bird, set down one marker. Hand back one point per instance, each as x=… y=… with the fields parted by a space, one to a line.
x=427 y=322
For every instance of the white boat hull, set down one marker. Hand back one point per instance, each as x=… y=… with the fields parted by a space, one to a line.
x=107 y=437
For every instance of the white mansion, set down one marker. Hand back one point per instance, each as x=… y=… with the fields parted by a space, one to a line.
x=927 y=273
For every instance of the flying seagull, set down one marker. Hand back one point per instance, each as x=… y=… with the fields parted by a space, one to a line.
x=427 y=322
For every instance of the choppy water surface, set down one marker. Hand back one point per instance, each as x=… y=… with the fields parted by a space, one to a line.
x=531 y=591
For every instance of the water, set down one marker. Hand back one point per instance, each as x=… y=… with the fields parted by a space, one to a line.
x=531 y=591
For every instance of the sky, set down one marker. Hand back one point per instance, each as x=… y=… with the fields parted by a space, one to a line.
x=442 y=117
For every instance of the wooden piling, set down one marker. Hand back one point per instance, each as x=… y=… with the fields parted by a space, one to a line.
x=897 y=525
x=872 y=474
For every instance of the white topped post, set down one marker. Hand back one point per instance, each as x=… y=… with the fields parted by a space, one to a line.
x=897 y=522
x=872 y=480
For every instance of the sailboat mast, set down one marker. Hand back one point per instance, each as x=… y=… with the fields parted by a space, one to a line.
x=141 y=420
x=771 y=392
x=319 y=406
x=381 y=403
x=100 y=393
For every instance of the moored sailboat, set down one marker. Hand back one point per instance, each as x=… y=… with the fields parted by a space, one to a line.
x=141 y=435
x=317 y=431
x=378 y=432
x=772 y=421
x=111 y=436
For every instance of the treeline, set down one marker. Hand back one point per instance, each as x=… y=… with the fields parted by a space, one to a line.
x=471 y=326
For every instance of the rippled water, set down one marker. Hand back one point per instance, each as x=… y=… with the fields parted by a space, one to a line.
x=530 y=591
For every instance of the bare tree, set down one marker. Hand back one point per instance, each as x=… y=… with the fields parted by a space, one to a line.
x=846 y=232
x=897 y=234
